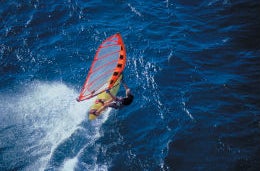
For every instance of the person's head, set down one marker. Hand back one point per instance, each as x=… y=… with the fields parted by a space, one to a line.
x=129 y=98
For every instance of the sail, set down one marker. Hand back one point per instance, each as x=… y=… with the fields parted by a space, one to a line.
x=107 y=66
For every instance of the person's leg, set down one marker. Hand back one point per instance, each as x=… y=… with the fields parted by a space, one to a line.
x=93 y=112
x=105 y=105
x=107 y=102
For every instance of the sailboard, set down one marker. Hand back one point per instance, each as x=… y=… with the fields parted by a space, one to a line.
x=105 y=97
x=106 y=69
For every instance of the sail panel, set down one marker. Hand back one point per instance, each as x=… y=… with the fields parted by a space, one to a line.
x=107 y=66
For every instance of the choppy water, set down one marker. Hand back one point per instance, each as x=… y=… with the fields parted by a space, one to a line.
x=193 y=66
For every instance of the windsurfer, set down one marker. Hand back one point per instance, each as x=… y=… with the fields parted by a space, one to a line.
x=115 y=102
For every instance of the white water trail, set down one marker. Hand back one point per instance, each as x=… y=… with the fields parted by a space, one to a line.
x=70 y=164
x=51 y=109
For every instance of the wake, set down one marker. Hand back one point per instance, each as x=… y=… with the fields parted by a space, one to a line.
x=49 y=114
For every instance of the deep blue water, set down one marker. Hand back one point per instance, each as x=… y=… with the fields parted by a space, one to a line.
x=194 y=67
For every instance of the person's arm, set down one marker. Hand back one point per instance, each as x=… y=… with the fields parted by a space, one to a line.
x=127 y=89
x=125 y=86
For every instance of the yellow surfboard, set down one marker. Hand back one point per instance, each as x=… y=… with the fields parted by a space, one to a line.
x=105 y=97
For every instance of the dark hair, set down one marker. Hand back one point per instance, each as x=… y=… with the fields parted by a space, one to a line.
x=128 y=100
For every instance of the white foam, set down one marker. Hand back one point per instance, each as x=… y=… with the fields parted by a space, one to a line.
x=29 y=21
x=70 y=164
x=49 y=108
x=187 y=111
x=134 y=10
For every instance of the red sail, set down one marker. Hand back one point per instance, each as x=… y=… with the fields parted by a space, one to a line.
x=108 y=64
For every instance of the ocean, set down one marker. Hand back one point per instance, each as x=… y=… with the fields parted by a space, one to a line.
x=193 y=67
